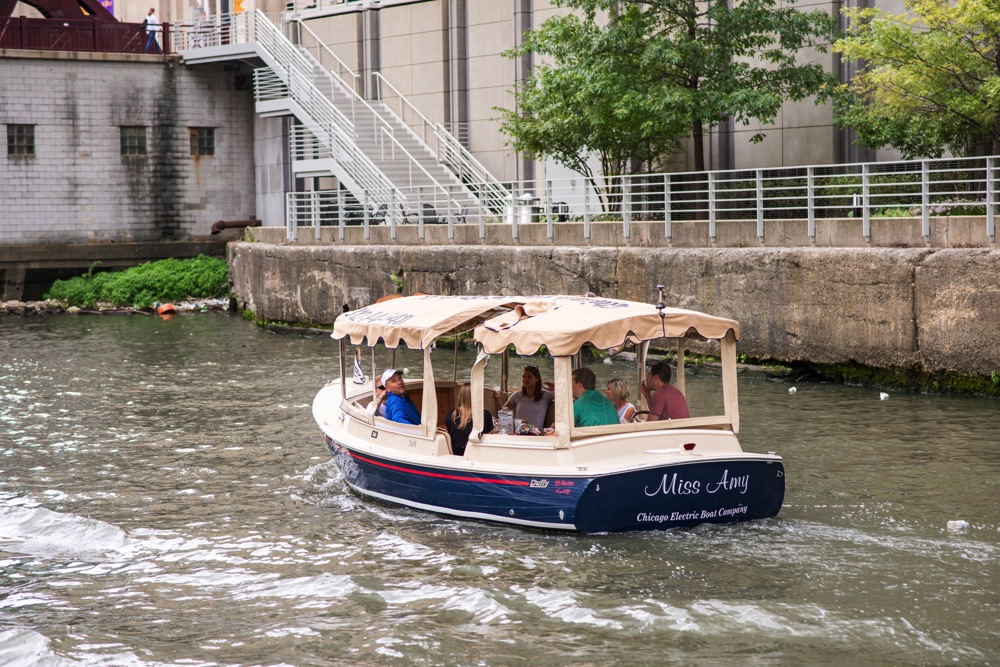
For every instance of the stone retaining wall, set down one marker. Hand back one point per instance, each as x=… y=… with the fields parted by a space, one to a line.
x=930 y=310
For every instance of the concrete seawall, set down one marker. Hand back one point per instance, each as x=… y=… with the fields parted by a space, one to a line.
x=915 y=309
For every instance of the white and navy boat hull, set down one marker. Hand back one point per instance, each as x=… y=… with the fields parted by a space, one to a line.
x=669 y=495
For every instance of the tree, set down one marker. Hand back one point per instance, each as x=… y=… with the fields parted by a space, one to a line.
x=685 y=63
x=930 y=80
x=590 y=101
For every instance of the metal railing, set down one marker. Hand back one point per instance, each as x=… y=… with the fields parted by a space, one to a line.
x=294 y=77
x=80 y=34
x=383 y=132
x=447 y=147
x=323 y=54
x=921 y=189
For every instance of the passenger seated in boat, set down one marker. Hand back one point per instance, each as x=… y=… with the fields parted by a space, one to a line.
x=617 y=392
x=665 y=401
x=398 y=406
x=377 y=405
x=459 y=421
x=531 y=404
x=591 y=407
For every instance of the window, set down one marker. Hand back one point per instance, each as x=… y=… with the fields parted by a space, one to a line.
x=202 y=141
x=133 y=140
x=20 y=140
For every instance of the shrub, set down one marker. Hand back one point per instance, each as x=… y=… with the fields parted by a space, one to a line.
x=141 y=286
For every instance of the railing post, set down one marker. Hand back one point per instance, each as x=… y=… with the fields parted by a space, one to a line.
x=760 y=205
x=667 y=213
x=451 y=218
x=420 y=212
x=290 y=217
x=366 y=206
x=514 y=215
x=586 y=210
x=547 y=193
x=811 y=202
x=317 y=222
x=393 y=202
x=866 y=224
x=925 y=200
x=990 y=197
x=626 y=207
x=482 y=219
x=711 y=205
x=340 y=210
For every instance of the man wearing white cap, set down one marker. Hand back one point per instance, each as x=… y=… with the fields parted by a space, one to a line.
x=398 y=406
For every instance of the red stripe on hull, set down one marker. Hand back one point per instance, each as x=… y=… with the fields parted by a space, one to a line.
x=438 y=475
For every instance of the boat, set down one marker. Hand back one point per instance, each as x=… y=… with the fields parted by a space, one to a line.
x=643 y=475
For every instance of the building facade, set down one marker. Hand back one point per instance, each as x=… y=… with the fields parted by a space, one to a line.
x=122 y=148
x=445 y=56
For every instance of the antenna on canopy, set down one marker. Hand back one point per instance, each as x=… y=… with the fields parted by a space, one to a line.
x=659 y=309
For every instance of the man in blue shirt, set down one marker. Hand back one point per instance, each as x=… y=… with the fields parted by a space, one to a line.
x=398 y=406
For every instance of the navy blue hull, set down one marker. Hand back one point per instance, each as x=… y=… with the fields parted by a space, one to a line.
x=665 y=497
x=685 y=494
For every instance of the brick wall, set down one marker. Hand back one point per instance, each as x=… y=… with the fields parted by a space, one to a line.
x=78 y=187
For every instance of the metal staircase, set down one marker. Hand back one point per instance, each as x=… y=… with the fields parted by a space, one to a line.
x=376 y=157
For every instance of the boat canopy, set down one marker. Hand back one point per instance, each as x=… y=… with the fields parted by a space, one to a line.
x=418 y=320
x=564 y=324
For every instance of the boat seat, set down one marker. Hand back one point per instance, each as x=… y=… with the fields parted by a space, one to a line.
x=443 y=432
x=445 y=401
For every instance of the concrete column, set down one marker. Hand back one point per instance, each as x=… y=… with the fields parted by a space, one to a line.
x=12 y=284
x=458 y=67
x=522 y=68
x=370 y=49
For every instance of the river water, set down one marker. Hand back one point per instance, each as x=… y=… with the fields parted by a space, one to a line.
x=165 y=499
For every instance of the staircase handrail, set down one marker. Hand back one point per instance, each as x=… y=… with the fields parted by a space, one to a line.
x=446 y=142
x=382 y=127
x=498 y=196
x=296 y=70
x=380 y=81
x=365 y=173
x=340 y=63
x=318 y=106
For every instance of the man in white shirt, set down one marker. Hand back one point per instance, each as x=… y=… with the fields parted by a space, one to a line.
x=152 y=27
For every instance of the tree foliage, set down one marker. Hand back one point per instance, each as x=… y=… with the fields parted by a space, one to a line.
x=590 y=100
x=930 y=81
x=140 y=286
x=628 y=79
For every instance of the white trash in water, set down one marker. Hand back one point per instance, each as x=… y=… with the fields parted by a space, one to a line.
x=883 y=396
x=792 y=390
x=958 y=525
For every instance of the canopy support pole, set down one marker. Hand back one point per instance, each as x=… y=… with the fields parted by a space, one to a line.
x=478 y=391
x=640 y=367
x=562 y=371
x=343 y=369
x=429 y=408
x=729 y=397
x=681 y=348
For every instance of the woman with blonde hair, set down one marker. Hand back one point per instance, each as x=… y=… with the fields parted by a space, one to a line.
x=618 y=393
x=459 y=421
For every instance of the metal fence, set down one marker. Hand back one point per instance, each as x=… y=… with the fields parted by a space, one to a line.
x=83 y=34
x=914 y=188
